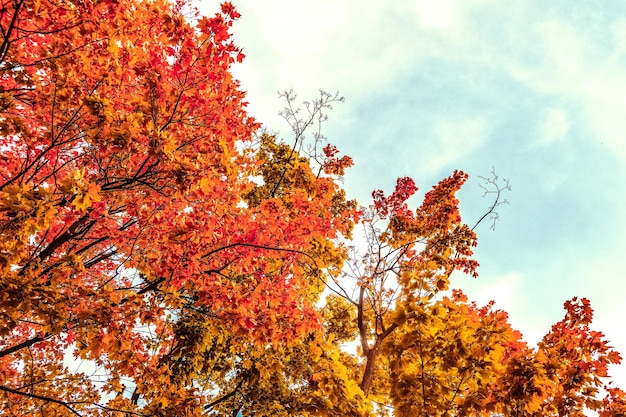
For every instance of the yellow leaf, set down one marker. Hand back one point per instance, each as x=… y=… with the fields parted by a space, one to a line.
x=205 y=186
x=94 y=192
x=315 y=350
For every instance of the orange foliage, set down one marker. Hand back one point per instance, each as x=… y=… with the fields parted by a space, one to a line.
x=150 y=233
x=128 y=236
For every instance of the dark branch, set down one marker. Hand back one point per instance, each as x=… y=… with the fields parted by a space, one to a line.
x=42 y=398
x=225 y=397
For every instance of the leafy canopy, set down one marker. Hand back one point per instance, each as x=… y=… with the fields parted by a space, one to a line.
x=133 y=235
x=160 y=255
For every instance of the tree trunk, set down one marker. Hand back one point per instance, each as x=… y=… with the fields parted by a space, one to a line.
x=370 y=366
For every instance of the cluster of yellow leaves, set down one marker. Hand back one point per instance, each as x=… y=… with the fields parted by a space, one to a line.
x=24 y=211
x=80 y=191
x=335 y=392
x=445 y=357
x=339 y=317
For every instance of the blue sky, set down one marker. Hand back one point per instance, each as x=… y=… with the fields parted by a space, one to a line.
x=536 y=90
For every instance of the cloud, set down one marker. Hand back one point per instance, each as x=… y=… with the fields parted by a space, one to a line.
x=616 y=337
x=582 y=71
x=502 y=289
x=618 y=36
x=553 y=127
x=605 y=108
x=553 y=180
x=436 y=14
x=455 y=138
x=335 y=46
x=506 y=290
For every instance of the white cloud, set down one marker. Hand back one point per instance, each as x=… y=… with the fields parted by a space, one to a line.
x=554 y=180
x=605 y=99
x=454 y=140
x=335 y=46
x=502 y=290
x=436 y=14
x=565 y=48
x=576 y=69
x=618 y=34
x=553 y=127
x=506 y=291
x=607 y=322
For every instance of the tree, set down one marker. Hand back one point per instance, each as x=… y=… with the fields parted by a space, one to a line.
x=562 y=377
x=152 y=232
x=426 y=353
x=133 y=234
x=423 y=350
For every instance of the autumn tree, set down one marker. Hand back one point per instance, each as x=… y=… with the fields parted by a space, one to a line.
x=408 y=260
x=424 y=352
x=134 y=235
x=195 y=264
x=565 y=374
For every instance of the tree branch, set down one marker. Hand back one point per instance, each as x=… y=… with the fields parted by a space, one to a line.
x=24 y=344
x=225 y=397
x=42 y=398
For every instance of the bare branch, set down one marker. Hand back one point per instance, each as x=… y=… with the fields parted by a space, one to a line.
x=493 y=185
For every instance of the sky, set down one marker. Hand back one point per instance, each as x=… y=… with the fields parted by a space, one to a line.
x=535 y=90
